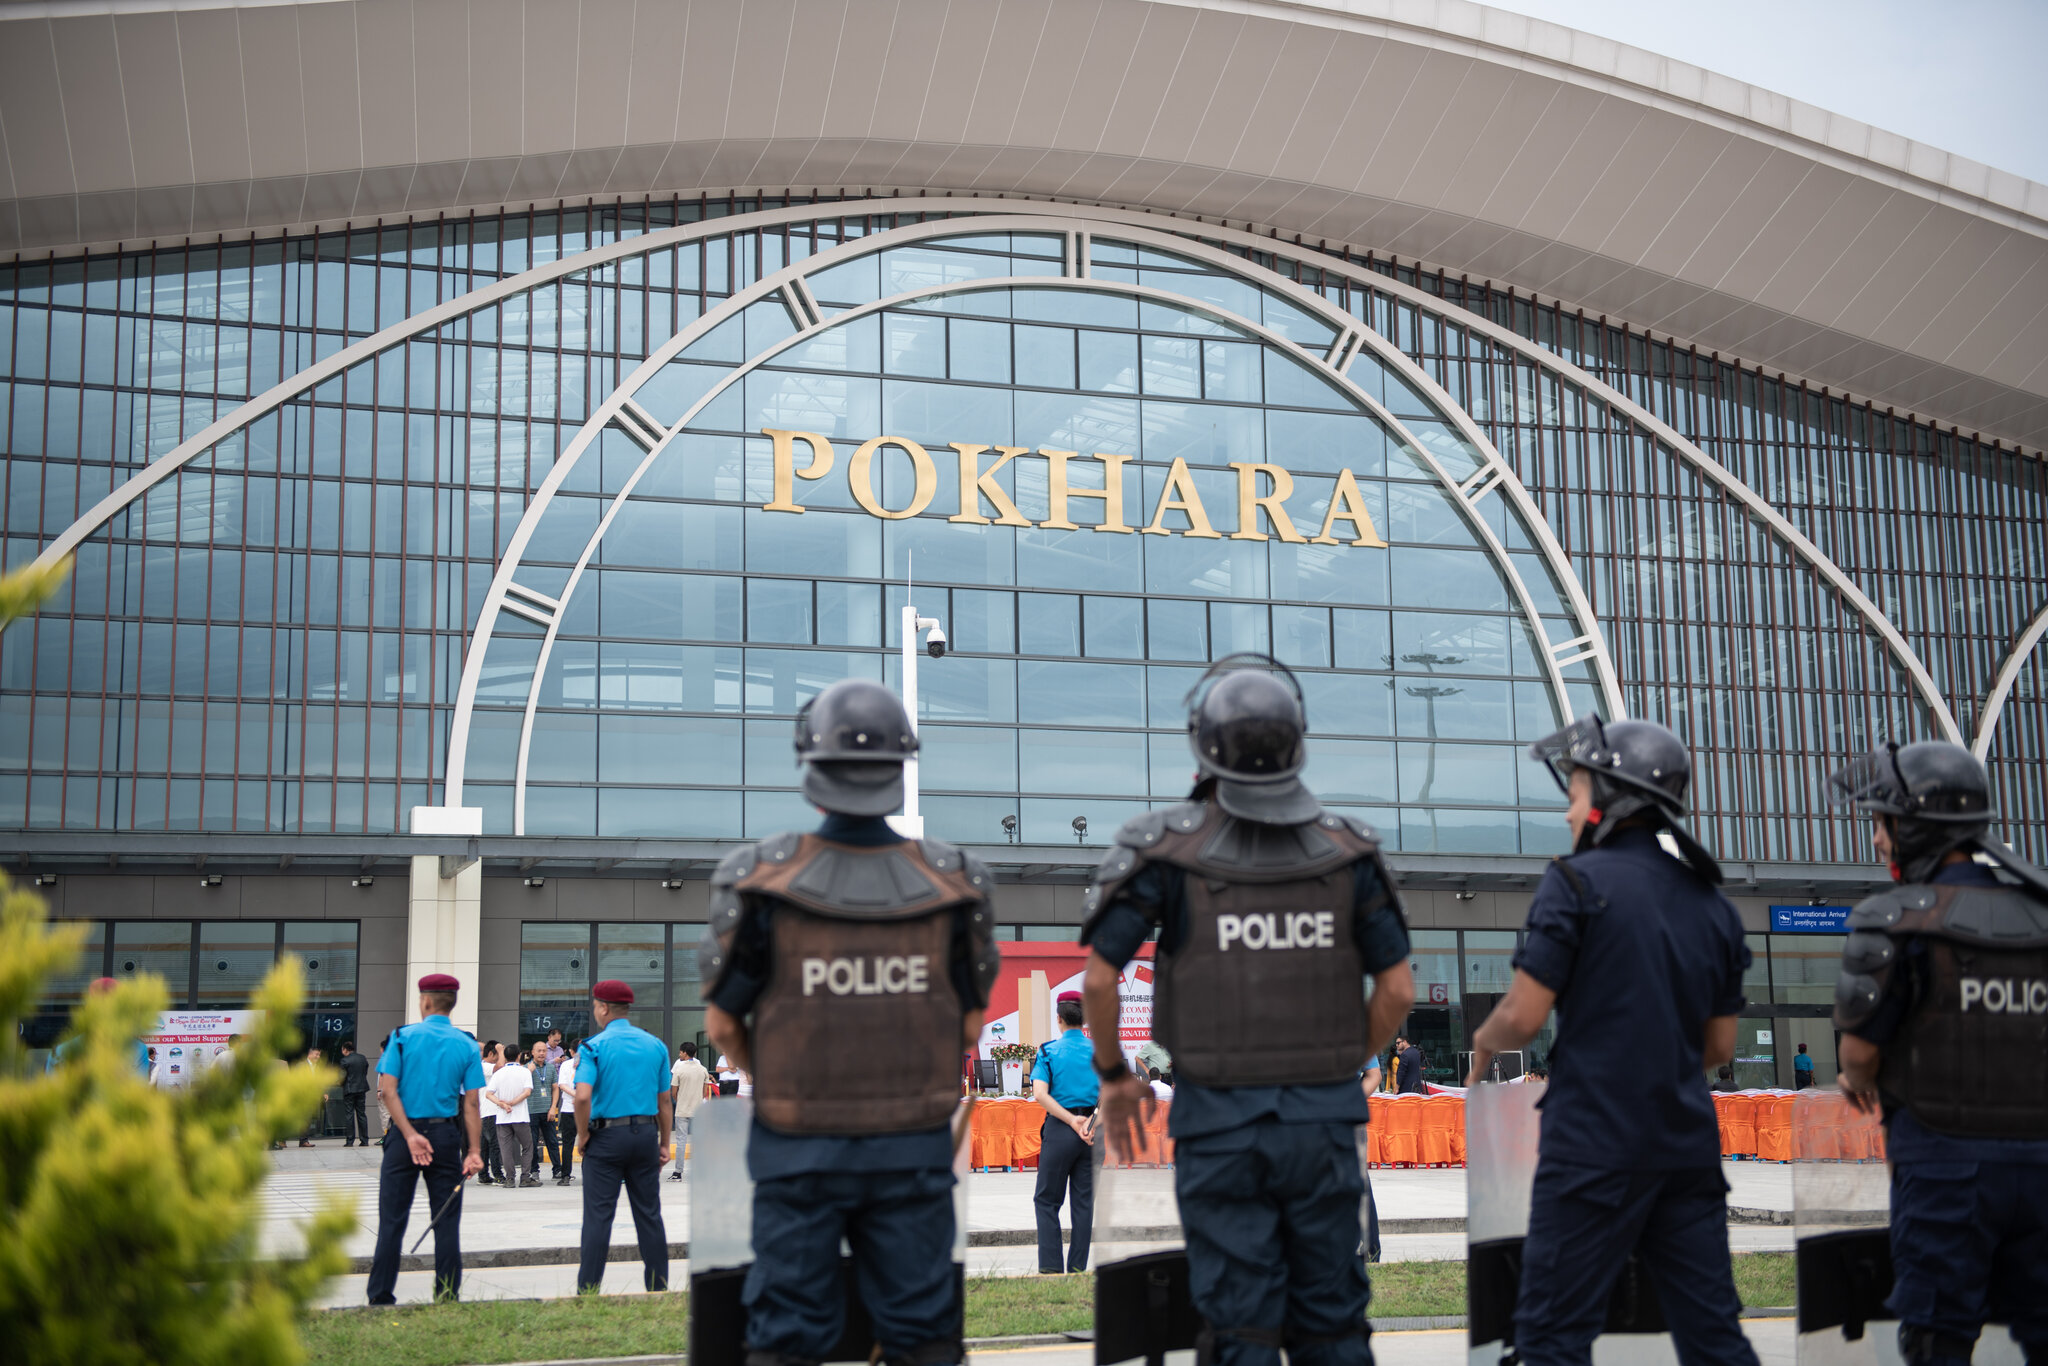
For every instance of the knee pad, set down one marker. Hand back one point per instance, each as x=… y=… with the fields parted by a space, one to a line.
x=1932 y=1347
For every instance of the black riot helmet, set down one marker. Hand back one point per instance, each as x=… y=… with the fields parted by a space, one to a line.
x=852 y=740
x=1246 y=723
x=1638 y=768
x=1937 y=796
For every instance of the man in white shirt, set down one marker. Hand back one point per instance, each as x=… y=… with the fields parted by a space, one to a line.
x=686 y=1084
x=505 y=1098
x=565 y=1098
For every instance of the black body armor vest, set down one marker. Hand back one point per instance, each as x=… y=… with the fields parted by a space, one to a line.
x=1267 y=987
x=1971 y=1059
x=861 y=948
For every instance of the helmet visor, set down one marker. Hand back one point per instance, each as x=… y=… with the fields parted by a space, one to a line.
x=1582 y=744
x=1871 y=782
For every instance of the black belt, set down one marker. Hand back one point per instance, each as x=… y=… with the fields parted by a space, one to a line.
x=1083 y=1111
x=630 y=1121
x=419 y=1121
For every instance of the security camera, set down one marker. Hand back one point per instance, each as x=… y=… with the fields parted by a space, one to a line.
x=935 y=644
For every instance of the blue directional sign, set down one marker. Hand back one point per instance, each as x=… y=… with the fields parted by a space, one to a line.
x=1810 y=919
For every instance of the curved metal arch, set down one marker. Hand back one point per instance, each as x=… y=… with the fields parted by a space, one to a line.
x=2001 y=685
x=1195 y=234
x=1717 y=473
x=788 y=285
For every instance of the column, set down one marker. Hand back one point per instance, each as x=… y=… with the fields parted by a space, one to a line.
x=443 y=915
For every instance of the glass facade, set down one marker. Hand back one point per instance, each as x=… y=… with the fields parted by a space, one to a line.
x=274 y=637
x=214 y=965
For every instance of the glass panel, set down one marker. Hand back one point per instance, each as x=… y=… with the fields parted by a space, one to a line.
x=636 y=955
x=233 y=958
x=1805 y=967
x=161 y=947
x=554 y=979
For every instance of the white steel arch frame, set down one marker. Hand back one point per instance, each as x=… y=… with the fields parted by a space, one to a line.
x=1128 y=224
x=2001 y=686
x=620 y=409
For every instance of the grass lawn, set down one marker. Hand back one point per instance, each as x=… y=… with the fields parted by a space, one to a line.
x=997 y=1306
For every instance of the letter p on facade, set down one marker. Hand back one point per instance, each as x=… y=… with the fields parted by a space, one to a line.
x=786 y=472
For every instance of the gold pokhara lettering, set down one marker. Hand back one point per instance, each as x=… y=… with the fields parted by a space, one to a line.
x=1262 y=491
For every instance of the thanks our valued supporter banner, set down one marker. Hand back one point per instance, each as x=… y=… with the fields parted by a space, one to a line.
x=1020 y=1008
x=187 y=1042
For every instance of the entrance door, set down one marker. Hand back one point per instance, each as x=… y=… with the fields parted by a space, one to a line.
x=1439 y=1031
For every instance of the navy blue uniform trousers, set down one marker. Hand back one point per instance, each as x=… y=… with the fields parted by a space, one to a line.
x=900 y=1227
x=628 y=1155
x=1271 y=1213
x=1970 y=1246
x=397 y=1180
x=1064 y=1163
x=1583 y=1224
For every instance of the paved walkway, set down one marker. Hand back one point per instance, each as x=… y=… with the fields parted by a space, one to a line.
x=1772 y=1338
x=506 y=1223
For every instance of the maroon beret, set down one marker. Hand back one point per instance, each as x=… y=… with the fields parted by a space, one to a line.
x=1069 y=996
x=613 y=993
x=439 y=981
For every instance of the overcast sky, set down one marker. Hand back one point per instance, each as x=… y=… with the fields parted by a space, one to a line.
x=1961 y=75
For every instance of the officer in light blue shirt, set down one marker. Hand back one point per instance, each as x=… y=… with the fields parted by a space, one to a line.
x=1063 y=1080
x=428 y=1078
x=622 y=1131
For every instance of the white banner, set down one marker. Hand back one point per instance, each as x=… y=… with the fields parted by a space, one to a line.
x=186 y=1042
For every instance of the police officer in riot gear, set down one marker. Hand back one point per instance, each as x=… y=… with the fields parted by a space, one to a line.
x=1271 y=911
x=823 y=948
x=1642 y=958
x=1943 y=1004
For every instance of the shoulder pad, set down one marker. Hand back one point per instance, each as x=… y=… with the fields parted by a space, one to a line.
x=1330 y=820
x=1888 y=907
x=780 y=848
x=940 y=854
x=736 y=865
x=1143 y=832
x=978 y=875
x=1996 y=916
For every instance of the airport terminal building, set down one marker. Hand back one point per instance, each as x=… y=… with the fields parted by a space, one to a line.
x=479 y=427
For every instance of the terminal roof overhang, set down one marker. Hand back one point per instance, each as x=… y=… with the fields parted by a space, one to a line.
x=1482 y=142
x=26 y=853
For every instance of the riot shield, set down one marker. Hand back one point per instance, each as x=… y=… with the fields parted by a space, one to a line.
x=1841 y=1214
x=1143 y=1307
x=1501 y=1131
x=722 y=1238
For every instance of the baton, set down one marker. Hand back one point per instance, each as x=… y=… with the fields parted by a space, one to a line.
x=446 y=1205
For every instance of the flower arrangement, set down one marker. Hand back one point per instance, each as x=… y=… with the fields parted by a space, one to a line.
x=1013 y=1052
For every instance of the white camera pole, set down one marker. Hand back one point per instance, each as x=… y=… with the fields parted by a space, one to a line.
x=911 y=823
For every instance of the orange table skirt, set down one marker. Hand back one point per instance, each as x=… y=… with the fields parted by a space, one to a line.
x=1006 y=1134
x=1416 y=1131
x=1759 y=1124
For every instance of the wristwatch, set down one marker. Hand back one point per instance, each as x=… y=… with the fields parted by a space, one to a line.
x=1110 y=1073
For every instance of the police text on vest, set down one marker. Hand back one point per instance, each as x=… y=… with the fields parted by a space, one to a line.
x=868 y=976
x=1277 y=930
x=2006 y=995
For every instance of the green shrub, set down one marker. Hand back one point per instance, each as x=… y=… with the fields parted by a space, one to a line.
x=128 y=1215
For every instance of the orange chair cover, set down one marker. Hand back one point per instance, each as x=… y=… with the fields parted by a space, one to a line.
x=1741 y=1126
x=1433 y=1133
x=1027 y=1118
x=1375 y=1130
x=1774 y=1128
x=1401 y=1144
x=1458 y=1132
